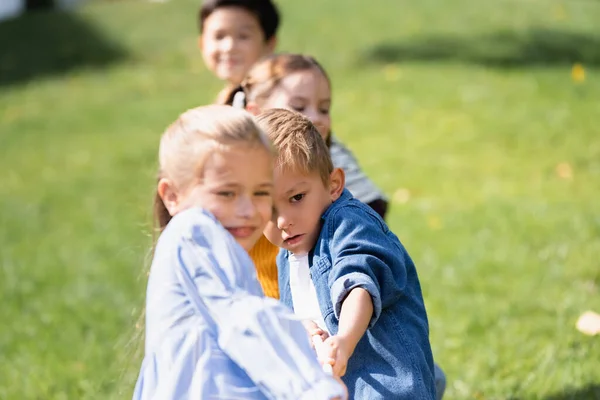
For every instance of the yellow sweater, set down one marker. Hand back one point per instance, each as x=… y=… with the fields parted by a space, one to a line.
x=264 y=255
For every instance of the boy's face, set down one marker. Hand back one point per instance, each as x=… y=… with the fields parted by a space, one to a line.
x=232 y=41
x=299 y=200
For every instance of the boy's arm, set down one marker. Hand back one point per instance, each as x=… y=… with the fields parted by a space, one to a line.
x=357 y=311
x=364 y=256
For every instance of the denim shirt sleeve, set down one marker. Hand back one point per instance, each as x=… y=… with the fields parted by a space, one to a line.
x=259 y=334
x=362 y=255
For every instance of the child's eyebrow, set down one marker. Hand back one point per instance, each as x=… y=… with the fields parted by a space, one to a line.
x=227 y=185
x=245 y=27
x=298 y=98
x=237 y=184
x=294 y=188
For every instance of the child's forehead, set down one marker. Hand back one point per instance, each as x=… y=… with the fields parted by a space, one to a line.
x=220 y=158
x=287 y=177
x=232 y=16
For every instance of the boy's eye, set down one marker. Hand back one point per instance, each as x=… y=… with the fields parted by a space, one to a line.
x=262 y=193
x=299 y=109
x=297 y=198
x=324 y=111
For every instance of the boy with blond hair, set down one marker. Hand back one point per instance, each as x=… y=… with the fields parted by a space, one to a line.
x=342 y=269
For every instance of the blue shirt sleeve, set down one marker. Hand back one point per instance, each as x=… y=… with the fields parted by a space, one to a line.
x=364 y=255
x=257 y=333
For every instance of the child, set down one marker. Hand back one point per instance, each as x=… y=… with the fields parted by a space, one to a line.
x=271 y=84
x=300 y=83
x=235 y=34
x=210 y=333
x=368 y=293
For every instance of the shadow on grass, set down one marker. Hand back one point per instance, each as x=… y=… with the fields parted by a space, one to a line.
x=47 y=43
x=590 y=392
x=503 y=49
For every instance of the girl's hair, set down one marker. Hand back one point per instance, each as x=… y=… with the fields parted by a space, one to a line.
x=187 y=142
x=265 y=76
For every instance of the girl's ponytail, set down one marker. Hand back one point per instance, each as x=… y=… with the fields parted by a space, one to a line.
x=232 y=96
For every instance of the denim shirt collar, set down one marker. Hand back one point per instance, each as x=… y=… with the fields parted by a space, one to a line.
x=345 y=196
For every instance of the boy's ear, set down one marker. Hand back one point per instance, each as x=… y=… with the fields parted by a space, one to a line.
x=200 y=42
x=167 y=192
x=337 y=181
x=253 y=108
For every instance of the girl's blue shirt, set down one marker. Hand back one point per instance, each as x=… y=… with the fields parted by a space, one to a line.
x=210 y=332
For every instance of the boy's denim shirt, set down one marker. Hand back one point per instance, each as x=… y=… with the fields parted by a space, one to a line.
x=355 y=248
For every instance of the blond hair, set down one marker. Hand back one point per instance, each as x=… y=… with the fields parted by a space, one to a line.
x=299 y=145
x=187 y=142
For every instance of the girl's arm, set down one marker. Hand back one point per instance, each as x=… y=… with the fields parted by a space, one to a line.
x=259 y=334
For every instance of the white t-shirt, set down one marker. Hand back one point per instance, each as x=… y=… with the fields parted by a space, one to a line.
x=304 y=294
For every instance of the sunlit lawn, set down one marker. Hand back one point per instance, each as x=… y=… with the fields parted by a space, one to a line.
x=468 y=114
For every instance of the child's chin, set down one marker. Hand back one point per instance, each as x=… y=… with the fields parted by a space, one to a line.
x=249 y=242
x=230 y=76
x=246 y=244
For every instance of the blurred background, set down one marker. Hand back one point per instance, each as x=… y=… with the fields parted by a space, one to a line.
x=479 y=119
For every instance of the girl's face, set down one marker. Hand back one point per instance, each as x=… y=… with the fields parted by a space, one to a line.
x=307 y=92
x=236 y=187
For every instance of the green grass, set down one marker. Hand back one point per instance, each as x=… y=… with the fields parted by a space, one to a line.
x=469 y=107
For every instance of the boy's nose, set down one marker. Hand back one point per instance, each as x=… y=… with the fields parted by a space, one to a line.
x=227 y=43
x=282 y=223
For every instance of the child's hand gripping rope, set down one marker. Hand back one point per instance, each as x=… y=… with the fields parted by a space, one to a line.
x=327 y=361
x=323 y=354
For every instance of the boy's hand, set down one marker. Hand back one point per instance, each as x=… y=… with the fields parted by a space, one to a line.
x=337 y=349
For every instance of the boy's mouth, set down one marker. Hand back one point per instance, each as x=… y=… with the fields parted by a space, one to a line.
x=229 y=62
x=293 y=240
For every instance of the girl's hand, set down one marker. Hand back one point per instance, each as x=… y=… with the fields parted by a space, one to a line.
x=313 y=330
x=345 y=397
x=337 y=349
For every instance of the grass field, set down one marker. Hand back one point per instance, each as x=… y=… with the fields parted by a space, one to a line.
x=469 y=114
